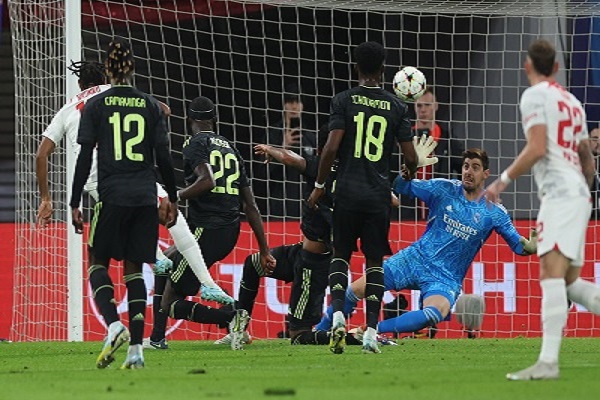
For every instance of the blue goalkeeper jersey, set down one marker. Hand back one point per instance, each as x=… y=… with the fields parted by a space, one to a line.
x=456 y=229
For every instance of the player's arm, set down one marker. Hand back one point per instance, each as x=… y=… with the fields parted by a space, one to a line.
x=82 y=171
x=534 y=150
x=284 y=156
x=518 y=244
x=423 y=190
x=255 y=220
x=587 y=161
x=411 y=160
x=87 y=138
x=328 y=156
x=165 y=166
x=46 y=148
x=205 y=182
x=405 y=138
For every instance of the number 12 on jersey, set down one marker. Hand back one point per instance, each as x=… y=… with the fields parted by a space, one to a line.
x=373 y=136
x=120 y=126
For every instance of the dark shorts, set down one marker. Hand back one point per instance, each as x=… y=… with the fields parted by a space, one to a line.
x=215 y=244
x=309 y=274
x=124 y=233
x=316 y=224
x=372 y=228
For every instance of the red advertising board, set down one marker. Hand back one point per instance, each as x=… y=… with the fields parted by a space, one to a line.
x=508 y=283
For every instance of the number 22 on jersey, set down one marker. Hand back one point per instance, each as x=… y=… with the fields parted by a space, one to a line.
x=573 y=123
x=226 y=172
x=126 y=125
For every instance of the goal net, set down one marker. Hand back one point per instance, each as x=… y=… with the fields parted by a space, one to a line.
x=249 y=57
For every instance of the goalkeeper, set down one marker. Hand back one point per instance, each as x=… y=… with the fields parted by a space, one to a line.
x=436 y=264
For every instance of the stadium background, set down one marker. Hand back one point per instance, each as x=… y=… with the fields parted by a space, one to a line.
x=247 y=78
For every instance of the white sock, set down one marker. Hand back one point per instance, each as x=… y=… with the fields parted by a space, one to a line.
x=554 y=317
x=135 y=349
x=585 y=293
x=338 y=318
x=188 y=247
x=159 y=254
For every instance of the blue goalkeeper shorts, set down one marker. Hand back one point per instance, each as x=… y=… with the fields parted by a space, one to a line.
x=403 y=271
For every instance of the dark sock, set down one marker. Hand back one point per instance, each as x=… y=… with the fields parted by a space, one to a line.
x=103 y=293
x=249 y=285
x=320 y=338
x=338 y=281
x=196 y=312
x=159 y=324
x=374 y=294
x=136 y=299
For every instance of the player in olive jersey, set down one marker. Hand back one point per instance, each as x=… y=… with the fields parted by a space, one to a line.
x=305 y=264
x=216 y=185
x=128 y=127
x=365 y=123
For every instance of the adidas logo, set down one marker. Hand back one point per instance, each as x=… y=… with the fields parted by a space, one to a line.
x=373 y=298
x=138 y=317
x=337 y=286
x=449 y=208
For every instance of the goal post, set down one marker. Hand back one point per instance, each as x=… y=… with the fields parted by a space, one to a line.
x=247 y=56
x=75 y=276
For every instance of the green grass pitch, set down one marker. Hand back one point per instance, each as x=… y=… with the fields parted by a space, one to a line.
x=271 y=369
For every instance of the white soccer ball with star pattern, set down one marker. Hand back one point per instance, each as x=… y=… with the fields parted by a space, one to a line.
x=409 y=83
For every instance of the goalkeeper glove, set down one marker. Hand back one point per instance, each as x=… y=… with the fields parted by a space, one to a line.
x=424 y=146
x=530 y=245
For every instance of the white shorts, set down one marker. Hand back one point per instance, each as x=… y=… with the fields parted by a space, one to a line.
x=562 y=225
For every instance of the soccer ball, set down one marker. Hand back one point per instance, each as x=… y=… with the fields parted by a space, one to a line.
x=409 y=83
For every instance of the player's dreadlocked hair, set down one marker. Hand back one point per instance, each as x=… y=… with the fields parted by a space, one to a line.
x=90 y=73
x=119 y=60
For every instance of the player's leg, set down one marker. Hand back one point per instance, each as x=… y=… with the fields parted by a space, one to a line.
x=578 y=290
x=311 y=271
x=561 y=241
x=105 y=233
x=215 y=245
x=347 y=226
x=250 y=283
x=157 y=339
x=187 y=244
x=374 y=245
x=139 y=248
x=253 y=272
x=354 y=293
x=582 y=292
x=555 y=310
x=436 y=306
x=314 y=337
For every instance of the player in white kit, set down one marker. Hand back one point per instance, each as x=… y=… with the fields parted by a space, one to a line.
x=558 y=150
x=66 y=123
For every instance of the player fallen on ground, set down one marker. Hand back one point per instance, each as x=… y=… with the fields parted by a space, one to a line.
x=92 y=81
x=558 y=151
x=305 y=264
x=436 y=264
x=217 y=186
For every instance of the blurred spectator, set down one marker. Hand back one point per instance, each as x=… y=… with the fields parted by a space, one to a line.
x=449 y=151
x=284 y=189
